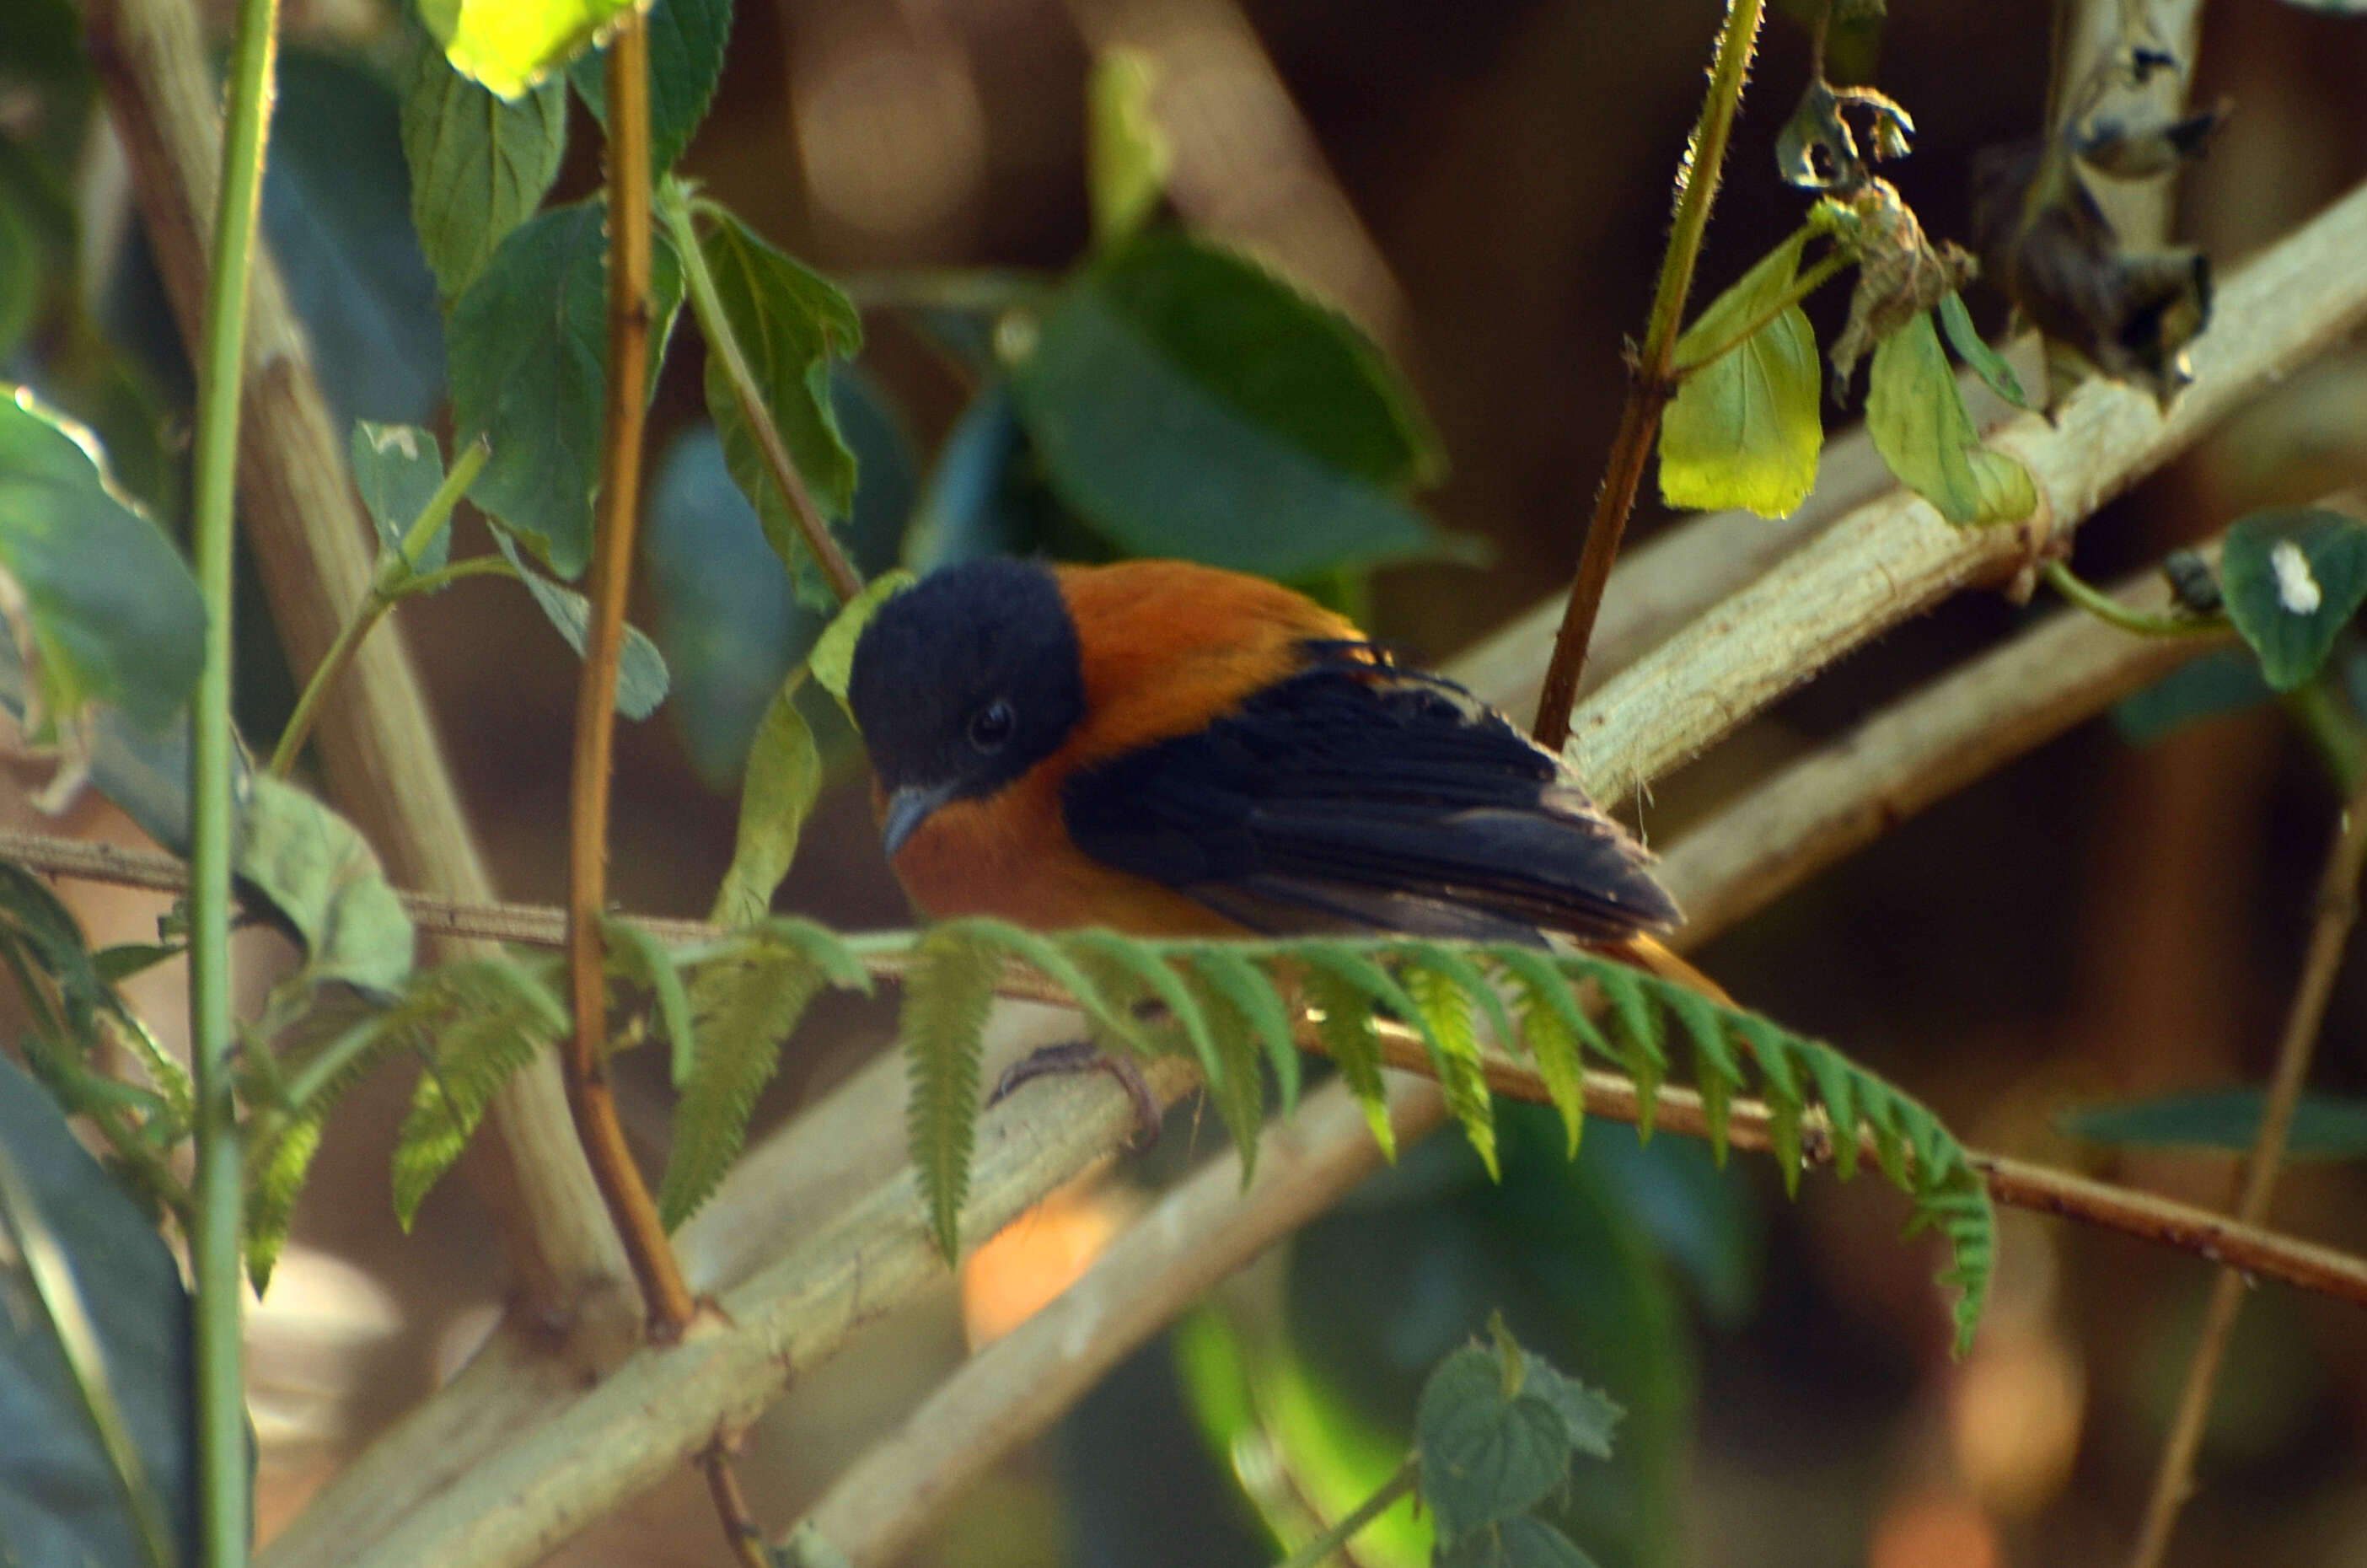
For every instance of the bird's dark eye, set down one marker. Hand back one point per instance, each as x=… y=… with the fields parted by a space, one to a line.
x=990 y=727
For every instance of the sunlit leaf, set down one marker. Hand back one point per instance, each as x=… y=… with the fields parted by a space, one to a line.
x=1916 y=414
x=509 y=45
x=1744 y=429
x=2292 y=577
x=1126 y=155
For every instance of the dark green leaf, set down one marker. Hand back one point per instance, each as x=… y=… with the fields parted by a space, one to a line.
x=783 y=781
x=1127 y=155
x=1487 y=1455
x=319 y=874
x=791 y=323
x=641 y=668
x=479 y=165
x=1516 y=1544
x=1187 y=403
x=1985 y=362
x=1744 y=430
x=60 y=1497
x=2325 y=1127
x=512 y=46
x=1916 y=414
x=530 y=348
x=24 y=270
x=2293 y=575
x=1588 y=1416
x=107 y=607
x=2225 y=680
x=687 y=40
x=397 y=468
x=335 y=210
x=946 y=997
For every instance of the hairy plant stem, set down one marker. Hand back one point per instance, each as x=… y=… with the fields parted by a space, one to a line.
x=2338 y=910
x=664 y=1296
x=223 y=1485
x=2103 y=606
x=1649 y=381
x=674 y=204
x=1324 y=1546
x=393 y=579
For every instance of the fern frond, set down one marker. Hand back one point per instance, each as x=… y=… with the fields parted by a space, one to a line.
x=745 y=1009
x=1253 y=995
x=1117 y=958
x=948 y=993
x=1635 y=1026
x=1462 y=1070
x=634 y=955
x=275 y=1178
x=1552 y=1025
x=1343 y=1023
x=1240 y=1094
x=481 y=1020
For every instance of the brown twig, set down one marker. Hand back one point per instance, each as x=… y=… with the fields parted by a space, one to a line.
x=378 y=743
x=1650 y=381
x=663 y=1294
x=2337 y=911
x=741 y=1531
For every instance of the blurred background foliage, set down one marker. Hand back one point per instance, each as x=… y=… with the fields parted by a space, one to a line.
x=1483 y=188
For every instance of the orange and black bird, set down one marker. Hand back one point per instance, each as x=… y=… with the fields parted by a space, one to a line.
x=1168 y=749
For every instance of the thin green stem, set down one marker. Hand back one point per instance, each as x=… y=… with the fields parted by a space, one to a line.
x=674 y=210
x=445 y=576
x=1325 y=1546
x=1649 y=383
x=2105 y=608
x=394 y=579
x=2325 y=714
x=223 y=1483
x=1807 y=283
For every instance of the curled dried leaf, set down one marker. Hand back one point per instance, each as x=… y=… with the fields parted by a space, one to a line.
x=1900 y=274
x=2048 y=246
x=1818 y=151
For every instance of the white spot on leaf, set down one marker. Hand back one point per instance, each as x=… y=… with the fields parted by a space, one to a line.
x=2297 y=590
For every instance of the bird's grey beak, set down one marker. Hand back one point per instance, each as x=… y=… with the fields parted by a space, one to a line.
x=908 y=808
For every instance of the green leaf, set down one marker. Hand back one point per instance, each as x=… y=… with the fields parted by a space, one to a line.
x=1916 y=414
x=833 y=660
x=397 y=468
x=509 y=45
x=641 y=668
x=2225 y=680
x=1260 y=1006
x=1521 y=1542
x=2325 y=1127
x=1486 y=1454
x=1187 y=403
x=275 y=1179
x=1125 y=959
x=1239 y=1091
x=1985 y=362
x=62 y=1496
x=687 y=42
x=948 y=994
x=1128 y=157
x=1588 y=1416
x=1744 y=429
x=97 y=596
x=791 y=323
x=746 y=1008
x=319 y=874
x=1444 y=1001
x=637 y=955
x=783 y=781
x=24 y=266
x=2292 y=576
x=479 y=1020
x=479 y=165
x=1343 y=1022
x=528 y=341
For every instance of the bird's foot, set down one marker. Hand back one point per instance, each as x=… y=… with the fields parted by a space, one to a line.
x=1082 y=1056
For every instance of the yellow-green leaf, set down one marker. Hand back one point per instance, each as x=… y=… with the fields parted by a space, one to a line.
x=1126 y=155
x=509 y=45
x=1744 y=428
x=833 y=659
x=1916 y=414
x=783 y=780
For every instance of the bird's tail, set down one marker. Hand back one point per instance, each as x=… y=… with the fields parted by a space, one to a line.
x=1650 y=956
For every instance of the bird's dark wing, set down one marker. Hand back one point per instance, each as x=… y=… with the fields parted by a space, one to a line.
x=1355 y=797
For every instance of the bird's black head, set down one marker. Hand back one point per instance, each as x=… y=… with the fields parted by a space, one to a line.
x=962 y=683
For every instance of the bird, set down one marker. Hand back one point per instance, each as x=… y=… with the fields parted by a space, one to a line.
x=1168 y=749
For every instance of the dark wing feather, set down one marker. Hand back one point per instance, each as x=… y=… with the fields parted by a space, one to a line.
x=1361 y=798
